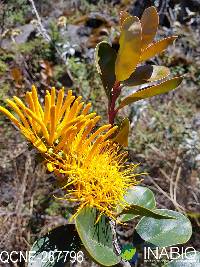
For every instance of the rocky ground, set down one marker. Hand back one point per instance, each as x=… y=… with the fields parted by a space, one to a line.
x=165 y=135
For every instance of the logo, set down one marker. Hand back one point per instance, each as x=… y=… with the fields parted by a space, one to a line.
x=164 y=254
x=129 y=253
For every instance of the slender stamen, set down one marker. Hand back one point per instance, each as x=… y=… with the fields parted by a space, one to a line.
x=69 y=99
x=53 y=96
x=110 y=132
x=30 y=102
x=59 y=103
x=10 y=116
x=47 y=109
x=41 y=123
x=65 y=138
x=20 y=114
x=99 y=131
x=86 y=108
x=52 y=124
x=35 y=101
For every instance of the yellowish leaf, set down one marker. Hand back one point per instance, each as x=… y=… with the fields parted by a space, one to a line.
x=161 y=88
x=156 y=48
x=122 y=136
x=130 y=48
x=159 y=72
x=149 y=22
x=147 y=73
x=123 y=15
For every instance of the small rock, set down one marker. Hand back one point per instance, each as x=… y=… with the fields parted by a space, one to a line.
x=197 y=158
x=25 y=31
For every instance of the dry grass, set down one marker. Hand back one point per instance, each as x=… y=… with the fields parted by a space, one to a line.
x=165 y=138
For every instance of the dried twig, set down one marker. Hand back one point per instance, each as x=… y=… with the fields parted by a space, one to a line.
x=41 y=27
x=116 y=245
x=176 y=182
x=171 y=189
x=159 y=153
x=115 y=241
x=177 y=206
x=46 y=36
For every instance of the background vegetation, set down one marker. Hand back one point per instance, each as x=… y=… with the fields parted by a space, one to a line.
x=165 y=135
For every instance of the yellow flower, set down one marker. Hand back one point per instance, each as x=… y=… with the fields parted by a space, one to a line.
x=94 y=173
x=90 y=167
x=49 y=126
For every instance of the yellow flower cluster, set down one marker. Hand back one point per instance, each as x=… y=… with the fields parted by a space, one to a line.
x=57 y=120
x=92 y=167
x=96 y=175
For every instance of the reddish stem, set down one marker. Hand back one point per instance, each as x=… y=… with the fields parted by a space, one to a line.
x=111 y=104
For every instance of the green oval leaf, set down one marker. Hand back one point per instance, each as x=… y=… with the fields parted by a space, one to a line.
x=150 y=91
x=149 y=22
x=156 y=48
x=142 y=211
x=105 y=57
x=96 y=237
x=122 y=136
x=162 y=232
x=190 y=259
x=147 y=73
x=46 y=251
x=130 y=48
x=138 y=195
